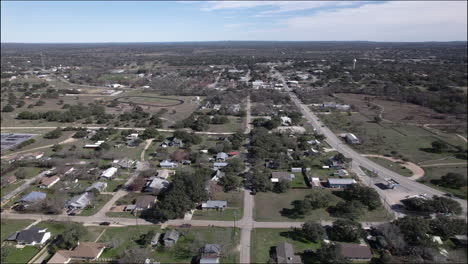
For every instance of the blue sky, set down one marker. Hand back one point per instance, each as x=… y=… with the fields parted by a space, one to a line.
x=92 y=21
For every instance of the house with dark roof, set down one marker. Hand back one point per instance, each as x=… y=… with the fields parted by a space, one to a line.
x=210 y=254
x=355 y=252
x=30 y=237
x=170 y=238
x=285 y=254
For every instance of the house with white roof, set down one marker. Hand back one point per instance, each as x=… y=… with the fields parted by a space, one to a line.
x=109 y=173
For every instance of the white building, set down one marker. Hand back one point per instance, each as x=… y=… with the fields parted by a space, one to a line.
x=109 y=173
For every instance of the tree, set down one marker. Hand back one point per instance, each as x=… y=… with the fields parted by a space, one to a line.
x=179 y=155
x=318 y=199
x=234 y=166
x=282 y=186
x=135 y=255
x=56 y=133
x=452 y=180
x=446 y=227
x=364 y=194
x=80 y=134
x=437 y=204
x=149 y=133
x=71 y=235
x=145 y=239
x=313 y=232
x=57 y=147
x=349 y=209
x=230 y=182
x=345 y=231
x=261 y=182
x=8 y=108
x=439 y=146
x=330 y=254
x=414 y=230
x=21 y=173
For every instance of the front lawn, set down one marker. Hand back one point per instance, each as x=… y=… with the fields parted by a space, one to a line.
x=265 y=239
x=234 y=211
x=278 y=207
x=9 y=226
x=21 y=255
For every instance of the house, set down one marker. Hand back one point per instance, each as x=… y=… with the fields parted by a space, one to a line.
x=210 y=254
x=278 y=176
x=167 y=164
x=211 y=204
x=177 y=143
x=460 y=240
x=95 y=145
x=232 y=153
x=257 y=84
x=186 y=162
x=170 y=238
x=352 y=139
x=47 y=182
x=313 y=151
x=155 y=184
x=131 y=139
x=285 y=121
x=32 y=197
x=155 y=239
x=109 y=173
x=296 y=169
x=79 y=201
x=221 y=156
x=285 y=254
x=85 y=251
x=341 y=173
x=30 y=237
x=144 y=202
x=124 y=163
x=315 y=182
x=100 y=186
x=343 y=107
x=340 y=183
x=355 y=252
x=218 y=175
x=313 y=142
x=164 y=174
x=219 y=165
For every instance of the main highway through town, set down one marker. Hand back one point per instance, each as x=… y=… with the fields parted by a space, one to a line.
x=409 y=185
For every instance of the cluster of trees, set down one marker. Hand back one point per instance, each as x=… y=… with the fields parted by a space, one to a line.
x=437 y=204
x=136 y=113
x=186 y=190
x=73 y=113
x=452 y=180
x=70 y=237
x=56 y=133
x=201 y=122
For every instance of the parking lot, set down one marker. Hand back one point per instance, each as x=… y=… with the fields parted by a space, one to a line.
x=10 y=140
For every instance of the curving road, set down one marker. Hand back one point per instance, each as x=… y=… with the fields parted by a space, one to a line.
x=179 y=102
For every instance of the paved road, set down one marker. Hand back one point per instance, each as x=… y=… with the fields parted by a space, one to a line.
x=66 y=141
x=123 y=128
x=336 y=143
x=23 y=187
x=248 y=116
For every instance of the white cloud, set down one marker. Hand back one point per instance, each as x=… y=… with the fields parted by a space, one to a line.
x=391 y=21
x=236 y=25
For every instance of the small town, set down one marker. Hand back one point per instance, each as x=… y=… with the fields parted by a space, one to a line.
x=256 y=151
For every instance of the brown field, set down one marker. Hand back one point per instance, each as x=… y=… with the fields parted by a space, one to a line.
x=395 y=111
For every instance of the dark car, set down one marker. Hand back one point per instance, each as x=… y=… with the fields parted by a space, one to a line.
x=449 y=195
x=104 y=223
x=253 y=192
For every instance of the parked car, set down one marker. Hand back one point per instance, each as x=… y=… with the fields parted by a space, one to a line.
x=104 y=223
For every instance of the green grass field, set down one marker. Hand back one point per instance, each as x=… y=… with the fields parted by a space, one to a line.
x=398 y=140
x=264 y=239
x=277 y=207
x=233 y=212
x=396 y=167
x=235 y=124
x=434 y=173
x=57 y=228
x=190 y=241
x=21 y=255
x=9 y=226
